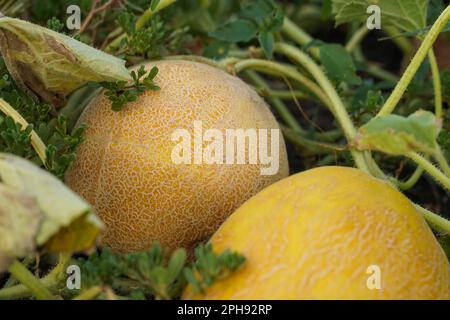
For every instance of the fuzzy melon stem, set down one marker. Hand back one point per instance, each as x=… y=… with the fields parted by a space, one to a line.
x=416 y=62
x=48 y=282
x=21 y=273
x=338 y=106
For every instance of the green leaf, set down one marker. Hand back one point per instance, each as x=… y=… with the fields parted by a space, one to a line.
x=236 y=31
x=20 y=218
x=176 y=264
x=52 y=65
x=69 y=223
x=216 y=50
x=406 y=15
x=257 y=11
x=210 y=267
x=266 y=41
x=397 y=135
x=338 y=64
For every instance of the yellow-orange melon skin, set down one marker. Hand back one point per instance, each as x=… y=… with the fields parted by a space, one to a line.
x=124 y=167
x=315 y=235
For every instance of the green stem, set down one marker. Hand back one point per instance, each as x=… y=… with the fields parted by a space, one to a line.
x=89 y=294
x=411 y=182
x=313 y=147
x=282 y=110
x=299 y=36
x=420 y=55
x=328 y=160
x=338 y=106
x=438 y=222
x=403 y=43
x=373 y=69
x=278 y=69
x=199 y=59
x=430 y=169
x=356 y=38
x=50 y=281
x=283 y=94
x=284 y=113
x=140 y=23
x=24 y=275
x=439 y=156
x=382 y=74
x=375 y=170
x=436 y=83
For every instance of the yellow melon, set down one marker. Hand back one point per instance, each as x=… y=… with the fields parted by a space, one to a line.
x=126 y=171
x=331 y=233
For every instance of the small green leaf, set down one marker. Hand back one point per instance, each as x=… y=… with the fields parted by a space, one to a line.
x=338 y=64
x=189 y=275
x=236 y=31
x=216 y=50
x=397 y=135
x=176 y=264
x=257 y=10
x=266 y=41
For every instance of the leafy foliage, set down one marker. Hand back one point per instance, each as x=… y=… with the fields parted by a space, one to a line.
x=121 y=92
x=258 y=20
x=154 y=274
x=154 y=40
x=56 y=25
x=210 y=267
x=51 y=128
x=220 y=29
x=338 y=64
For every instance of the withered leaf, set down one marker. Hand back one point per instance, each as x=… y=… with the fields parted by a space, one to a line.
x=69 y=222
x=49 y=65
x=20 y=218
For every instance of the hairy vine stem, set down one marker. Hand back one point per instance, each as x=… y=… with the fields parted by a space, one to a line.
x=437 y=86
x=278 y=69
x=440 y=158
x=438 y=175
x=21 y=273
x=49 y=282
x=412 y=68
x=286 y=115
x=356 y=38
x=435 y=220
x=412 y=180
x=338 y=107
x=299 y=36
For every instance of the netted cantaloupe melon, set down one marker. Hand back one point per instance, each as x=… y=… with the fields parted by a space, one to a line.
x=330 y=233
x=125 y=169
